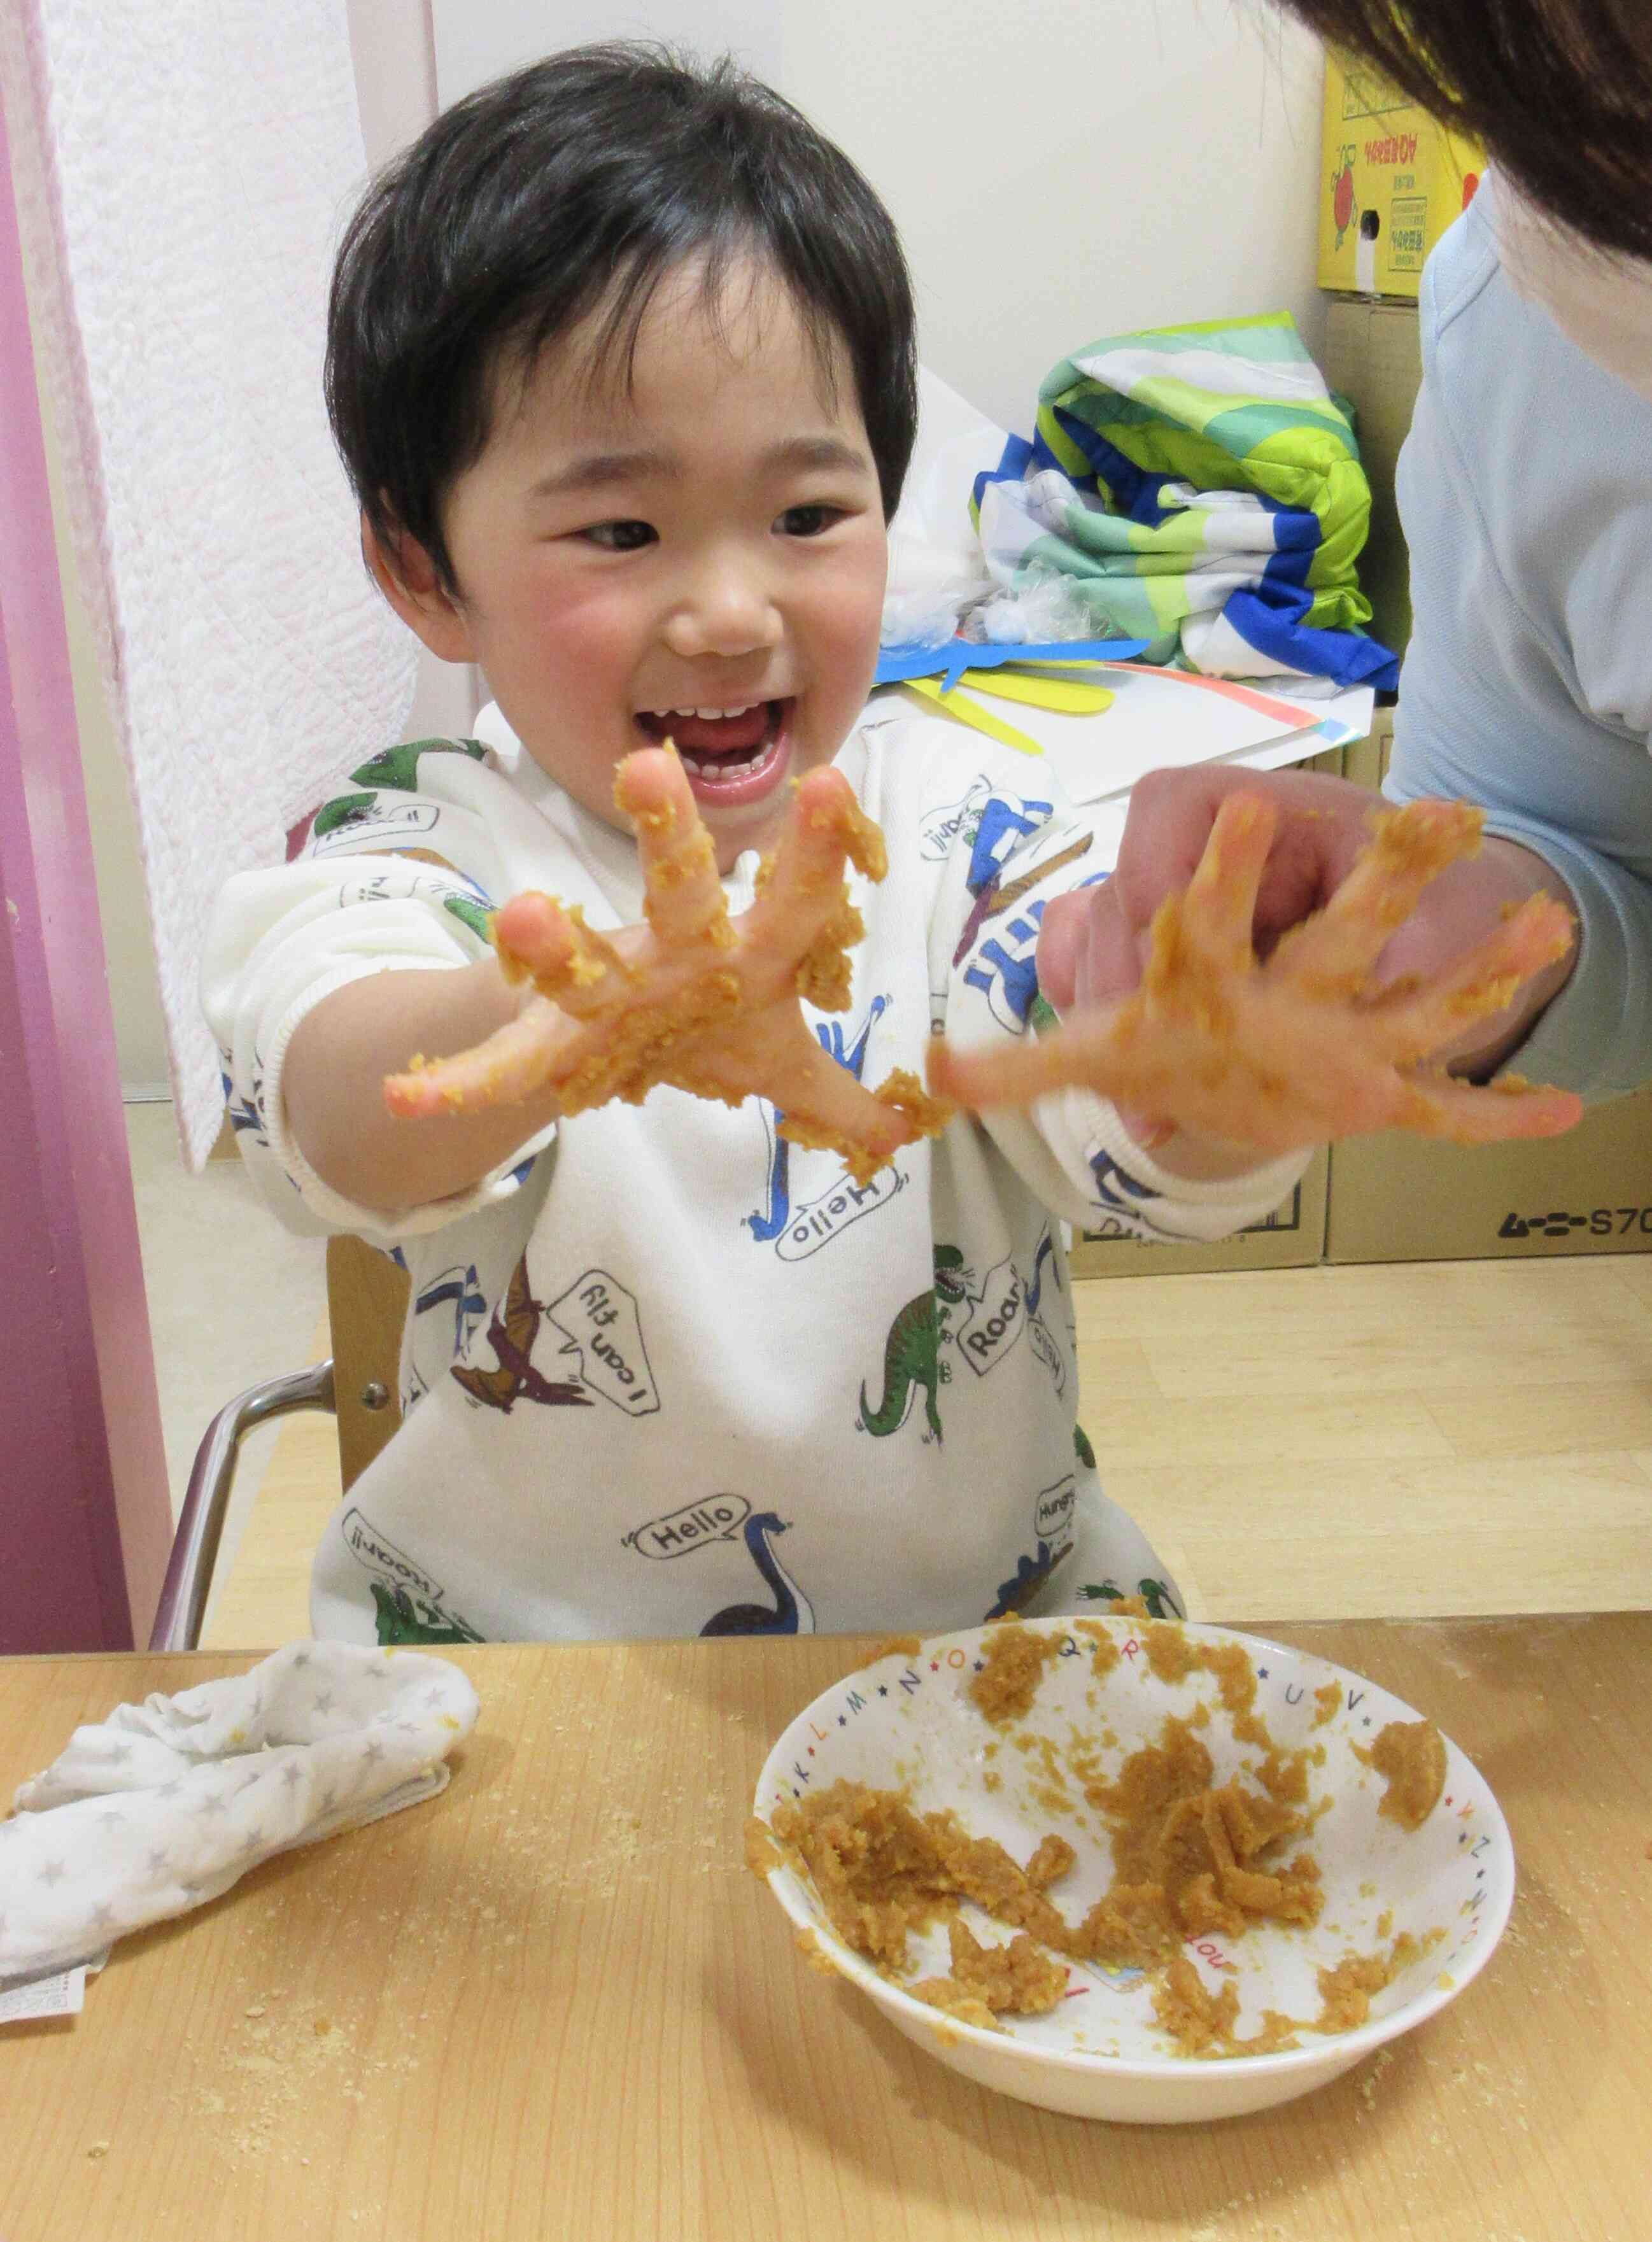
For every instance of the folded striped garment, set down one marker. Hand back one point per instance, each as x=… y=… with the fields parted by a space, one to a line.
x=1199 y=488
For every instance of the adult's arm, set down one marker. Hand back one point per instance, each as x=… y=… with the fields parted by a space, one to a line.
x=1525 y=491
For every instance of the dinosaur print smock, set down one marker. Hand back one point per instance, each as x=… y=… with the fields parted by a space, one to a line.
x=666 y=1372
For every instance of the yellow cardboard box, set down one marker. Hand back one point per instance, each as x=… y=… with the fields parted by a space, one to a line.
x=1391 y=180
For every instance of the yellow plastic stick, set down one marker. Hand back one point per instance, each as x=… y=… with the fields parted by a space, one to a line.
x=965 y=711
x=1071 y=695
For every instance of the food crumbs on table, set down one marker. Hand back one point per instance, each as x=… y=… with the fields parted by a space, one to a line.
x=1368 y=2084
x=1410 y=1756
x=1015 y=1659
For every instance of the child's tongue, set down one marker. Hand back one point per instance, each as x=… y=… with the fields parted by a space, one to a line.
x=721 y=734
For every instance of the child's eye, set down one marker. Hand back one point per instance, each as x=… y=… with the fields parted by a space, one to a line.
x=809 y=520
x=620 y=536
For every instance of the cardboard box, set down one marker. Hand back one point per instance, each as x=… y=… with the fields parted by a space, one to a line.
x=1373 y=359
x=1365 y=762
x=1403 y=1198
x=1292 y=1238
x=1391 y=180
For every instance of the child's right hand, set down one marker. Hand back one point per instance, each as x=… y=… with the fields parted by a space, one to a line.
x=706 y=1003
x=1302 y=1047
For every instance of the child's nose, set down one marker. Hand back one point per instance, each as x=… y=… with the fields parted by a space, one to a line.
x=727 y=609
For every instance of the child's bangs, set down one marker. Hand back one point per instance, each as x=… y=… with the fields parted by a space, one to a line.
x=726 y=276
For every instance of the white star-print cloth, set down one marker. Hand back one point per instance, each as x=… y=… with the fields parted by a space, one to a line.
x=163 y=1805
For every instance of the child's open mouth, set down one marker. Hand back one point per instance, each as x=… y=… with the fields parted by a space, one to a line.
x=732 y=755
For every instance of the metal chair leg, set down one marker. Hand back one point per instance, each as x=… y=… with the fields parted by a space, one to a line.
x=195 y=1544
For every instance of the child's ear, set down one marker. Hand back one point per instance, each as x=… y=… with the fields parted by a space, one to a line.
x=407 y=576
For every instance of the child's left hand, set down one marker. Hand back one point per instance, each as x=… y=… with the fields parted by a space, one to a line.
x=694 y=999
x=1297 y=1051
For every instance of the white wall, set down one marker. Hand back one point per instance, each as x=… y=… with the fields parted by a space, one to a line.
x=1059 y=169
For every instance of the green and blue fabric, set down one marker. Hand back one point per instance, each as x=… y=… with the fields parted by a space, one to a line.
x=1201 y=489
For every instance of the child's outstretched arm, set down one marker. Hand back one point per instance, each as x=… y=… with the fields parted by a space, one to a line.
x=694 y=999
x=333 y=1077
x=1298 y=1050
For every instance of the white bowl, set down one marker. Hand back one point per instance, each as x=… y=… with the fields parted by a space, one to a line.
x=906 y=1722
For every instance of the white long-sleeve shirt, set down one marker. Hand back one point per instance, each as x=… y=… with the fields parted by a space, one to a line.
x=666 y=1373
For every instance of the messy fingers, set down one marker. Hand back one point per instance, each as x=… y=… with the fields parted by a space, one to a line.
x=538 y=939
x=1084 y=1053
x=822 y=1104
x=1333 y=952
x=1507 y=1110
x=507 y=1068
x=1219 y=905
x=802 y=910
x=682 y=895
x=1413 y=1020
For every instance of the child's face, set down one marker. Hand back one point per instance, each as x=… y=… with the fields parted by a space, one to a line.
x=701 y=558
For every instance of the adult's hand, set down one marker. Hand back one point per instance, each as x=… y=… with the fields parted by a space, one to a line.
x=1093 y=944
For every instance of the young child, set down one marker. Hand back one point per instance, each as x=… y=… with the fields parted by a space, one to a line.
x=621 y=362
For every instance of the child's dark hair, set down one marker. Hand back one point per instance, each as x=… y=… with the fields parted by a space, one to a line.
x=573 y=186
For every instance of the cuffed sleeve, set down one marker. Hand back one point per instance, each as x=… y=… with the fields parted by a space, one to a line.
x=1013 y=854
x=390 y=881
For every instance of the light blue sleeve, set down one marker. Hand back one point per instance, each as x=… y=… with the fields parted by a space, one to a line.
x=1525 y=490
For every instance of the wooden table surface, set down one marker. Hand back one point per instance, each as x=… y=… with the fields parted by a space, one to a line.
x=553 y=2002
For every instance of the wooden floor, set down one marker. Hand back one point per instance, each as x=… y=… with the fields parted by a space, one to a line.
x=1387 y=1440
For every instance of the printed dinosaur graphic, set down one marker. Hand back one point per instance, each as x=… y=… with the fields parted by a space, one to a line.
x=912 y=1351
x=792 y=1613
x=999 y=896
x=512 y=1336
x=1046 y=1252
x=1155 y=1594
x=770 y=1223
x=1031 y=1574
x=342 y=810
x=398 y=1621
x=458 y=1292
x=398 y=766
x=244 y=1114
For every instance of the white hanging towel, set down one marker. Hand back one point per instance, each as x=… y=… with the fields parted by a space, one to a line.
x=184 y=169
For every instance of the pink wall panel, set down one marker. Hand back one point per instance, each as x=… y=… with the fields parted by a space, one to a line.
x=84 y=1517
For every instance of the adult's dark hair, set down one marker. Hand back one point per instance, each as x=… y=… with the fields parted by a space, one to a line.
x=1558 y=91
x=571 y=188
